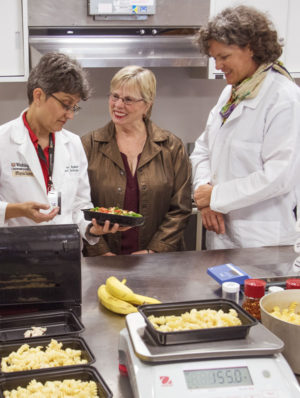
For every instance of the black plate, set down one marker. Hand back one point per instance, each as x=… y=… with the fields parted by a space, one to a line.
x=61 y=322
x=75 y=343
x=84 y=373
x=197 y=335
x=123 y=221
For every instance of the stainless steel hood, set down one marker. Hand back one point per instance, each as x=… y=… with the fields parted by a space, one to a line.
x=117 y=47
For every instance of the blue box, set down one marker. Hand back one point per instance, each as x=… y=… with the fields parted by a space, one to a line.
x=228 y=273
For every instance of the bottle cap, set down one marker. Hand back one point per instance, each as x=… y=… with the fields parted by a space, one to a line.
x=293 y=283
x=273 y=289
x=254 y=288
x=230 y=287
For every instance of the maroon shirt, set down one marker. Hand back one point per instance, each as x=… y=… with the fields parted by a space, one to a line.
x=130 y=238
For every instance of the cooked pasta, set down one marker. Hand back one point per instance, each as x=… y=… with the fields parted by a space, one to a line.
x=35 y=331
x=287 y=314
x=28 y=358
x=55 y=389
x=195 y=319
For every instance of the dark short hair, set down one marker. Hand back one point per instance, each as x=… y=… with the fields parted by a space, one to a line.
x=243 y=26
x=58 y=72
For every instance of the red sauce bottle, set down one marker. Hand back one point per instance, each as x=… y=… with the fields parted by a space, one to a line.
x=254 y=290
x=292 y=283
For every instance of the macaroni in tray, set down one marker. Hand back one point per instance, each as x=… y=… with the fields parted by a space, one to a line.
x=29 y=358
x=55 y=389
x=196 y=319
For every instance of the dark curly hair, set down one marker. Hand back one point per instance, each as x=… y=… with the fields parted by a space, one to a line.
x=242 y=26
x=58 y=72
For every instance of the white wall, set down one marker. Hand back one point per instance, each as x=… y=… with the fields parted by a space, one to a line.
x=182 y=104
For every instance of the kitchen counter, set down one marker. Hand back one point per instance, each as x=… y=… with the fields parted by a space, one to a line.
x=178 y=276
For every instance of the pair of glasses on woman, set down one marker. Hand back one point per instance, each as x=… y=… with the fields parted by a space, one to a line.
x=75 y=108
x=126 y=100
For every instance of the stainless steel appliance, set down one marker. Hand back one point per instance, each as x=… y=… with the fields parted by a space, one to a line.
x=163 y=37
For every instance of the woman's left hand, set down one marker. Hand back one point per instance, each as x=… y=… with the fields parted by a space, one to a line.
x=212 y=220
x=143 y=252
x=107 y=228
x=202 y=196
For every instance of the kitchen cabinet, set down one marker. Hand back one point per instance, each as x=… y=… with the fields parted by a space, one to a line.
x=284 y=15
x=292 y=42
x=14 y=63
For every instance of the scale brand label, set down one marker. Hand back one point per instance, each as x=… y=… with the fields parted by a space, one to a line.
x=165 y=381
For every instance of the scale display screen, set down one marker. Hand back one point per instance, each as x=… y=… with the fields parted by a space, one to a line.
x=218 y=377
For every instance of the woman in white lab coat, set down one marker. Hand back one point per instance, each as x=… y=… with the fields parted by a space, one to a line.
x=246 y=162
x=43 y=167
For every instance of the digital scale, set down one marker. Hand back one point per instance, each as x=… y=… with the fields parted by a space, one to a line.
x=244 y=368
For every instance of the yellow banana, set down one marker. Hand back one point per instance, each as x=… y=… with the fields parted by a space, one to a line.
x=114 y=304
x=120 y=290
x=139 y=300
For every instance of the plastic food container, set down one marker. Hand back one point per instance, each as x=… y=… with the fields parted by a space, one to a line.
x=58 y=323
x=197 y=335
x=85 y=373
x=288 y=332
x=123 y=221
x=75 y=343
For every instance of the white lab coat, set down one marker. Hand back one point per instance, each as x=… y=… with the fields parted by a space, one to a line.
x=22 y=180
x=252 y=161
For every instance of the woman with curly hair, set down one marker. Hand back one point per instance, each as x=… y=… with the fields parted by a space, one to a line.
x=245 y=163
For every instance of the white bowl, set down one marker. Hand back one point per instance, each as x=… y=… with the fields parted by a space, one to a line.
x=288 y=332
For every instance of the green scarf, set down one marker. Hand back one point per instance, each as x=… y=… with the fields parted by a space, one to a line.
x=250 y=87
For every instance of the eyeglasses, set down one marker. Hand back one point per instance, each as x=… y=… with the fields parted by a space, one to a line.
x=75 y=109
x=126 y=100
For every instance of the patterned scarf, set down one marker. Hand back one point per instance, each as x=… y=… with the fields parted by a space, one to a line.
x=250 y=87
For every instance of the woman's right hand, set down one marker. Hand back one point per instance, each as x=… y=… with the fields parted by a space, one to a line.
x=30 y=210
x=109 y=254
x=212 y=220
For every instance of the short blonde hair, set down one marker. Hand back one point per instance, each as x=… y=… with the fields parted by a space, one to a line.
x=141 y=78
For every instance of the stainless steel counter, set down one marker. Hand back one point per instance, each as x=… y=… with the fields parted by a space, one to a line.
x=169 y=277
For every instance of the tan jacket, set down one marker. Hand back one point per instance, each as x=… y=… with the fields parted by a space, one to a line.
x=163 y=175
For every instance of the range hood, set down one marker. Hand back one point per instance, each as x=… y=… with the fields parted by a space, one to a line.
x=118 y=47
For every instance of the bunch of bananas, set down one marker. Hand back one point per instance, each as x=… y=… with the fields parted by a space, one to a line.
x=119 y=298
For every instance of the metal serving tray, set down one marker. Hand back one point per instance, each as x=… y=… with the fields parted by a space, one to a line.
x=61 y=322
x=85 y=373
x=75 y=343
x=197 y=335
x=123 y=221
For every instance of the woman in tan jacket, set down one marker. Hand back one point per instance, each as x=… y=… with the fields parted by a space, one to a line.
x=135 y=165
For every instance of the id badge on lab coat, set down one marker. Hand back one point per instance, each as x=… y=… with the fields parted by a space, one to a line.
x=54 y=199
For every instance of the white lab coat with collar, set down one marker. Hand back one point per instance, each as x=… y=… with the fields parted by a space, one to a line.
x=22 y=180
x=252 y=161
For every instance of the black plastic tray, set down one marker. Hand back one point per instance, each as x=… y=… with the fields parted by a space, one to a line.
x=75 y=343
x=197 y=335
x=123 y=221
x=85 y=373
x=62 y=322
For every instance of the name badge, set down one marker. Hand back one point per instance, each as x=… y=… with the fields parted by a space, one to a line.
x=54 y=199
